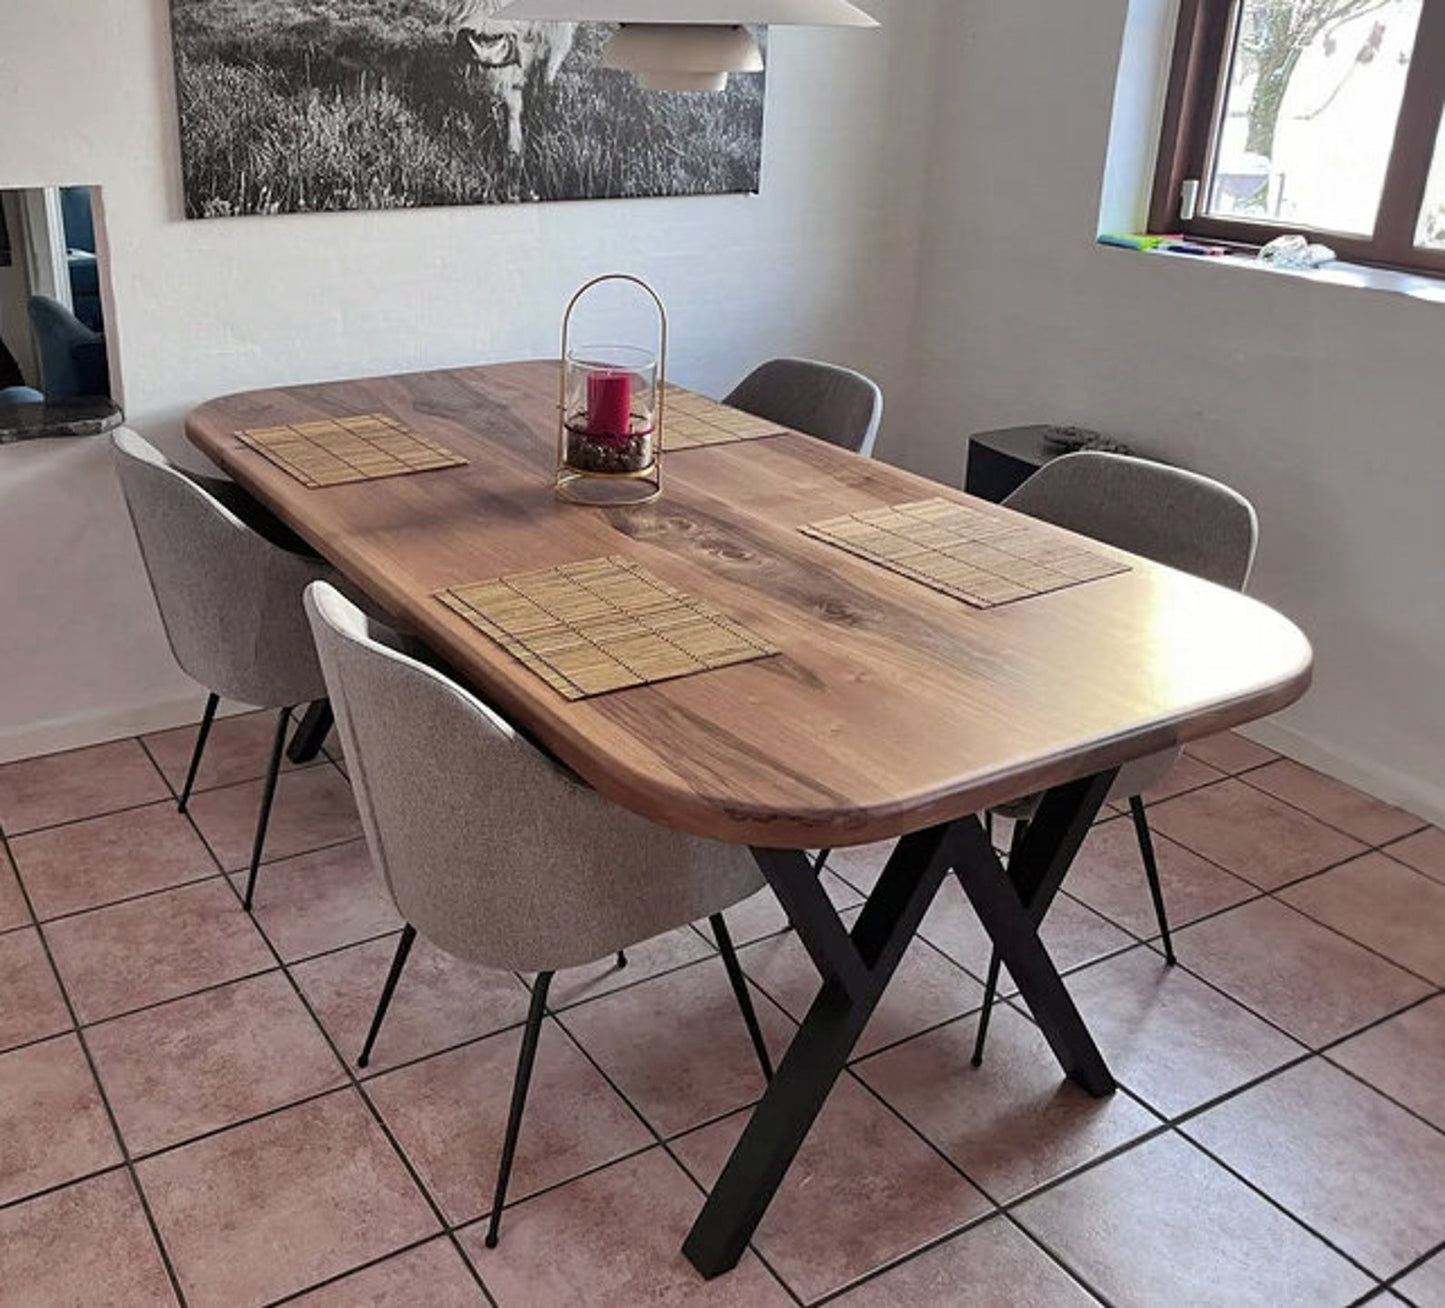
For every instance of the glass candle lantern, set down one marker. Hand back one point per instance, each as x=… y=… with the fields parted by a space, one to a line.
x=609 y=443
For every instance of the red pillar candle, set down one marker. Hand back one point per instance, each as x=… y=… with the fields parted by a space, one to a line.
x=609 y=403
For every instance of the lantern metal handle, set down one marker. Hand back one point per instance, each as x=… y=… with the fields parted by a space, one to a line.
x=661 y=398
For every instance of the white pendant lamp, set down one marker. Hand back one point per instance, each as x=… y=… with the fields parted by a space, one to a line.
x=688 y=45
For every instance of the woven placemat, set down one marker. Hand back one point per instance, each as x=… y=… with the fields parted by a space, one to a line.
x=336 y=451
x=694 y=421
x=978 y=557
x=602 y=625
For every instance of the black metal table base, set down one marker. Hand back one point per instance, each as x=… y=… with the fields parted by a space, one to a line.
x=311 y=732
x=857 y=966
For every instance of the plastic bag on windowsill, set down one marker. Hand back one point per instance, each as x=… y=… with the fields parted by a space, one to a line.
x=1295 y=252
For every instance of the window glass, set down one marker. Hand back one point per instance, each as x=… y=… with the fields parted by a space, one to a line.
x=1432 y=214
x=1310 y=112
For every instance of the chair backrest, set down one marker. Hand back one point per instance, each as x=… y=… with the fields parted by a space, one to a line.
x=835 y=404
x=229 y=600
x=72 y=356
x=487 y=847
x=1171 y=516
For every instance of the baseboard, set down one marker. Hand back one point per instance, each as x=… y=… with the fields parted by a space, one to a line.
x=84 y=729
x=1413 y=794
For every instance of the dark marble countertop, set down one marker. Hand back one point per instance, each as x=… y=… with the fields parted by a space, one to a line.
x=33 y=421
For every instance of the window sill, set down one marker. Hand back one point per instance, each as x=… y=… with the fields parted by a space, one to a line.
x=1417 y=286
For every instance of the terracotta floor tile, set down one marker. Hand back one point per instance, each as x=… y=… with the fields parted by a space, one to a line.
x=1163 y=1225
x=100 y=860
x=1073 y=935
x=322 y=901
x=1188 y=773
x=32 y=1006
x=1425 y=1286
x=994 y=1265
x=926 y=990
x=209 y=1060
x=661 y=954
x=63 y=1247
x=1011 y=1125
x=53 y=1126
x=1360 y=815
x=762 y=915
x=1404 y=1058
x=1230 y=752
x=1358 y=1169
x=612 y=1240
x=166 y=945
x=238 y=749
x=313 y=808
x=432 y=1275
x=860 y=865
x=279 y=1204
x=449 y=1114
x=1253 y=835
x=863 y=1191
x=1385 y=906
x=1425 y=852
x=439 y=1002
x=677 y=1047
x=1171 y=1039
x=1297 y=974
x=13 y=912
x=1108 y=876
x=40 y=792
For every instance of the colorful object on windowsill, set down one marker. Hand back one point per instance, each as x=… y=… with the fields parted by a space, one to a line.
x=1167 y=244
x=609 y=438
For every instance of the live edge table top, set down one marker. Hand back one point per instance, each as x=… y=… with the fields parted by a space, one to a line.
x=891 y=706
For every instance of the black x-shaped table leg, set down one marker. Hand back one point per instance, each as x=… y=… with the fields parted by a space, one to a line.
x=856 y=967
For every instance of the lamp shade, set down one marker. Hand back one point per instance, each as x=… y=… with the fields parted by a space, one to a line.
x=755 y=13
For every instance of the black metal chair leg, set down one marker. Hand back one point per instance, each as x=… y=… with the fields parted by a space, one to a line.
x=213 y=702
x=1151 y=871
x=990 y=992
x=398 y=961
x=740 y=992
x=268 y=794
x=990 y=986
x=525 y=1059
x=821 y=861
x=621 y=959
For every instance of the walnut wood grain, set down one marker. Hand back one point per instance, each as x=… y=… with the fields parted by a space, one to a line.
x=890 y=708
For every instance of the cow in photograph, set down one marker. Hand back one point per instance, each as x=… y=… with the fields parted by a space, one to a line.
x=506 y=59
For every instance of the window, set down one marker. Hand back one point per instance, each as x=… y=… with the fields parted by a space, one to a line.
x=1313 y=116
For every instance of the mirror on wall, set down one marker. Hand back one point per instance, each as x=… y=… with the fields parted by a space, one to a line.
x=53 y=353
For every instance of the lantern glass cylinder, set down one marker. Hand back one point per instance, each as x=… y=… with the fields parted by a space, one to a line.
x=610 y=435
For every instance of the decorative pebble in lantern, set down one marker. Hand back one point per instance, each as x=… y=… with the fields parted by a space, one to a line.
x=609 y=439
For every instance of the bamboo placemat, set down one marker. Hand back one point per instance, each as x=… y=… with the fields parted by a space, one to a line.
x=336 y=451
x=693 y=421
x=602 y=625
x=978 y=557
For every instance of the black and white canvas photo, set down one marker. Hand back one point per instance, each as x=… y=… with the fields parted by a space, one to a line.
x=289 y=106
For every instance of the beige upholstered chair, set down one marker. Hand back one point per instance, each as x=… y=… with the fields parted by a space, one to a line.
x=494 y=852
x=835 y=404
x=230 y=601
x=1174 y=517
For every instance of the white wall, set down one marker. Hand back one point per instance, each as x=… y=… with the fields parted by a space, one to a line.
x=1321 y=403
x=824 y=262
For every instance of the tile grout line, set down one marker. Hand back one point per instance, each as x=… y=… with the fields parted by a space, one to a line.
x=356 y=1086
x=665 y=1143
x=126 y=1161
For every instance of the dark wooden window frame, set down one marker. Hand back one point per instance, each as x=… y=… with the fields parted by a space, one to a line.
x=1203 y=49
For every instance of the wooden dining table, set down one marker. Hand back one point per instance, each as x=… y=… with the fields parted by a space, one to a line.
x=892 y=711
